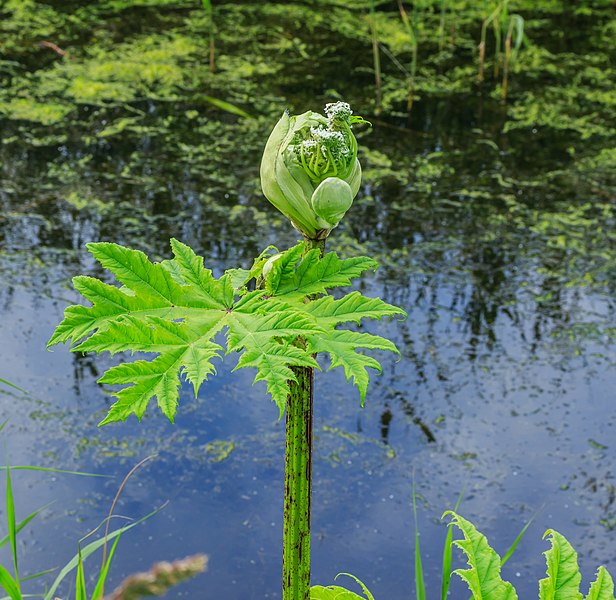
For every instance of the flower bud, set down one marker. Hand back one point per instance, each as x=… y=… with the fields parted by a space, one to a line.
x=304 y=152
x=332 y=198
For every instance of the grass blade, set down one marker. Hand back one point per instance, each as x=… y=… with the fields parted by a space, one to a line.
x=102 y=576
x=224 y=105
x=447 y=552
x=376 y=57
x=22 y=524
x=517 y=540
x=209 y=11
x=420 y=588
x=5 y=382
x=10 y=520
x=9 y=584
x=52 y=470
x=80 y=582
x=36 y=576
x=89 y=549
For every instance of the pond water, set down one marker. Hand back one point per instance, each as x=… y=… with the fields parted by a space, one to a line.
x=494 y=227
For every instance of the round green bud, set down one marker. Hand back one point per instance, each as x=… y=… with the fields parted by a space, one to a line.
x=330 y=201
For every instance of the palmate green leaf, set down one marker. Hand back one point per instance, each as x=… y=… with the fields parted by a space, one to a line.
x=177 y=308
x=150 y=290
x=313 y=275
x=282 y=268
x=295 y=283
x=272 y=362
x=351 y=308
x=254 y=323
x=215 y=293
x=483 y=577
x=342 y=347
x=563 y=574
x=183 y=349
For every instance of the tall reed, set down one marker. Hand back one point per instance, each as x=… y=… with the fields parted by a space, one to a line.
x=513 y=43
x=441 y=25
x=209 y=10
x=505 y=53
x=376 y=57
x=411 y=24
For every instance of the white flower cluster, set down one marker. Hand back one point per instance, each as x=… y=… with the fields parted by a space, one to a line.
x=326 y=147
x=328 y=141
x=338 y=111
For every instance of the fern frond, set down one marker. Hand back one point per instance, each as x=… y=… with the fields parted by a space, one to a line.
x=483 y=578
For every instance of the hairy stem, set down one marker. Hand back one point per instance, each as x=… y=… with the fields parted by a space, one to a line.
x=298 y=480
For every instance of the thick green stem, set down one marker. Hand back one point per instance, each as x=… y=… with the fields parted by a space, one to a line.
x=298 y=488
x=298 y=480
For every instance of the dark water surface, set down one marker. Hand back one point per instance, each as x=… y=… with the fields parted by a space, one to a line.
x=497 y=238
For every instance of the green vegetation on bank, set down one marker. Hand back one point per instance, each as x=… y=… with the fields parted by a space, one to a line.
x=483 y=575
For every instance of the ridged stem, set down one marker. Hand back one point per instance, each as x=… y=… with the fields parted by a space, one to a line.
x=298 y=479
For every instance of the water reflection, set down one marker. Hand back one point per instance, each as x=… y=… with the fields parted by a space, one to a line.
x=507 y=365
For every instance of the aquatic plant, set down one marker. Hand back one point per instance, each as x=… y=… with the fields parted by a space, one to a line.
x=410 y=23
x=506 y=52
x=376 y=57
x=563 y=574
x=207 y=5
x=483 y=576
x=539 y=224
x=161 y=577
x=277 y=316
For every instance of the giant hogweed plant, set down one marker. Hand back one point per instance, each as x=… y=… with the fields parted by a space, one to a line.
x=277 y=316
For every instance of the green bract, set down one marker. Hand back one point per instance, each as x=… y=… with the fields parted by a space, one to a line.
x=310 y=171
